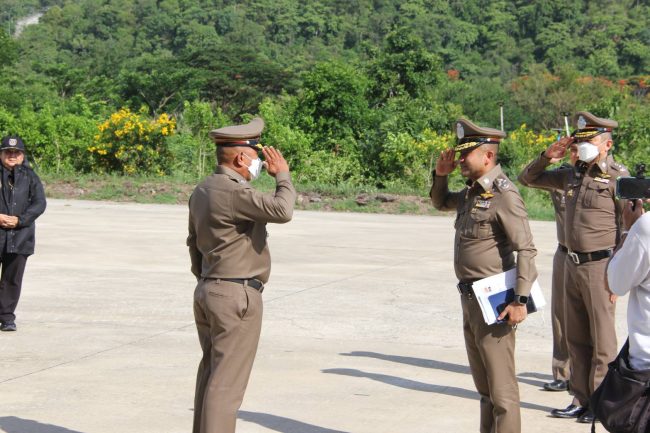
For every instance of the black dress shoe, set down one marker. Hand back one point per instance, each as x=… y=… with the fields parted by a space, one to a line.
x=556 y=385
x=8 y=326
x=571 y=411
x=587 y=417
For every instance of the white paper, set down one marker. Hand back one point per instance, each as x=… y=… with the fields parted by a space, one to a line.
x=502 y=282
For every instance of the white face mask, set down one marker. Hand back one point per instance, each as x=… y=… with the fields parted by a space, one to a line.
x=587 y=152
x=255 y=169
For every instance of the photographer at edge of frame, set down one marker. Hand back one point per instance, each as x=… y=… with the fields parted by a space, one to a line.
x=629 y=272
x=22 y=201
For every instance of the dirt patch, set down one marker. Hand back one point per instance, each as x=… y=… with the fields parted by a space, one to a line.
x=177 y=192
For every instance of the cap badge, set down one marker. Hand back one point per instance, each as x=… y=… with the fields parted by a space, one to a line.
x=581 y=122
x=13 y=142
x=460 y=131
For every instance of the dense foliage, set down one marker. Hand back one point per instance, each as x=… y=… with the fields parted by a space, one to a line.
x=354 y=91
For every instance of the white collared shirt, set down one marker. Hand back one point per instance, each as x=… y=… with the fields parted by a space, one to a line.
x=629 y=271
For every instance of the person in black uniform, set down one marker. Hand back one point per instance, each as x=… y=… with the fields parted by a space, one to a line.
x=22 y=201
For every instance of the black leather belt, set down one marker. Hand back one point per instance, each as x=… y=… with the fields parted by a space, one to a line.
x=465 y=289
x=563 y=248
x=252 y=282
x=580 y=258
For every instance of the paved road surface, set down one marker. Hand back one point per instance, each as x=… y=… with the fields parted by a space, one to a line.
x=361 y=334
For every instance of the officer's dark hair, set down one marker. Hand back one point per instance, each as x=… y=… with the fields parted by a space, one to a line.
x=221 y=154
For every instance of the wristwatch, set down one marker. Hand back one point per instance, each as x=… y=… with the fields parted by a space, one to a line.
x=520 y=299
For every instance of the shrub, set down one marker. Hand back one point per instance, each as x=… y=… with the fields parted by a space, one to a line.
x=129 y=143
x=411 y=161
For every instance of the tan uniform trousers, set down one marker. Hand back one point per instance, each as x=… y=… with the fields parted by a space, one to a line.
x=591 y=330
x=229 y=320
x=491 y=354
x=560 y=364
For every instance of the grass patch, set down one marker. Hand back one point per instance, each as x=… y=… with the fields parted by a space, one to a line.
x=342 y=197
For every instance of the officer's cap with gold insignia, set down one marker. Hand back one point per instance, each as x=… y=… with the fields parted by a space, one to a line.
x=247 y=135
x=588 y=126
x=471 y=135
x=12 y=142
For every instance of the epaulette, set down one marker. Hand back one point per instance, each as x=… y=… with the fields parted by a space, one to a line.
x=503 y=183
x=618 y=167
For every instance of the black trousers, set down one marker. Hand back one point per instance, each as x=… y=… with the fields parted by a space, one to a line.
x=11 y=280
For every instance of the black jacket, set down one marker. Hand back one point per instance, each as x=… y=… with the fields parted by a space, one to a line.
x=26 y=200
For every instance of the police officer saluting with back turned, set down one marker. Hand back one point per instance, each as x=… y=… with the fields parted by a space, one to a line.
x=491 y=224
x=592 y=229
x=22 y=201
x=231 y=261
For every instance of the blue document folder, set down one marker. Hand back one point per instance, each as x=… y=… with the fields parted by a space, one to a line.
x=500 y=300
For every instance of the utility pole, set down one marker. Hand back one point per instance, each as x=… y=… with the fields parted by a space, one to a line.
x=501 y=114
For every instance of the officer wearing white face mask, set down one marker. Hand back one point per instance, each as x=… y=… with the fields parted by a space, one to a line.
x=593 y=227
x=231 y=261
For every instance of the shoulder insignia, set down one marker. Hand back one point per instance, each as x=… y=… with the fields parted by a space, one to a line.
x=503 y=183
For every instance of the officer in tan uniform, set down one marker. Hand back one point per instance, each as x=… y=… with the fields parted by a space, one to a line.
x=593 y=219
x=560 y=363
x=491 y=224
x=231 y=261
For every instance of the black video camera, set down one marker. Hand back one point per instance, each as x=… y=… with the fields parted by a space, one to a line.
x=633 y=188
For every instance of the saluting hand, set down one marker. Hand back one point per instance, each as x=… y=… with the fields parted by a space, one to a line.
x=274 y=161
x=446 y=162
x=557 y=150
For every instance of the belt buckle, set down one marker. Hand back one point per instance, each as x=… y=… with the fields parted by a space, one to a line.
x=574 y=257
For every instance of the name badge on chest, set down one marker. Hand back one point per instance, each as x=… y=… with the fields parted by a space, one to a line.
x=601 y=180
x=482 y=204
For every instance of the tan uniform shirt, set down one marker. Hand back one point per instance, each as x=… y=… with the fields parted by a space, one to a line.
x=491 y=224
x=593 y=214
x=558 y=197
x=227 y=225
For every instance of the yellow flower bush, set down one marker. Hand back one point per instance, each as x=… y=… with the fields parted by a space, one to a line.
x=411 y=160
x=131 y=143
x=521 y=146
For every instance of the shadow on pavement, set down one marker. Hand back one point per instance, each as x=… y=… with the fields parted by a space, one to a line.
x=536 y=383
x=421 y=386
x=282 y=424
x=541 y=376
x=524 y=378
x=447 y=366
x=418 y=362
x=12 y=424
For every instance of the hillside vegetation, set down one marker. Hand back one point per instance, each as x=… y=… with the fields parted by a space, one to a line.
x=359 y=93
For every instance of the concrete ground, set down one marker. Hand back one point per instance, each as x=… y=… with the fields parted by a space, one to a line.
x=362 y=329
